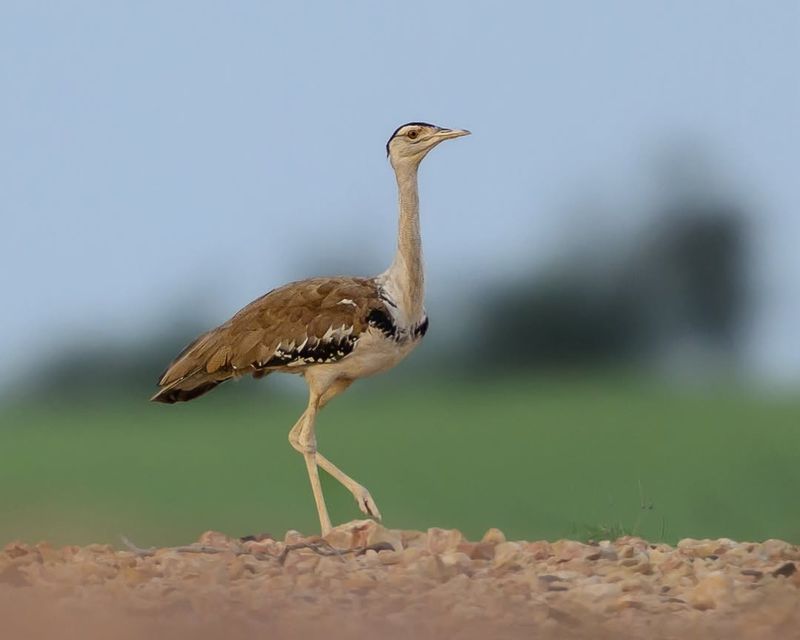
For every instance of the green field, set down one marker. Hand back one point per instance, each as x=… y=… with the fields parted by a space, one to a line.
x=537 y=458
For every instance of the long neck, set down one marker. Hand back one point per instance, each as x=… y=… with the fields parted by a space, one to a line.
x=406 y=270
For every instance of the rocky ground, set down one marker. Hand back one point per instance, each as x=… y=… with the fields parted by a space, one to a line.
x=363 y=580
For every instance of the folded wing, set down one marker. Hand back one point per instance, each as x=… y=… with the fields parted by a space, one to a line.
x=300 y=324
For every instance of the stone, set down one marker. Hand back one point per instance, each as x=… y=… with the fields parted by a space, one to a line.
x=293 y=537
x=267 y=546
x=236 y=568
x=215 y=539
x=330 y=567
x=16 y=549
x=778 y=550
x=479 y=550
x=607 y=550
x=540 y=550
x=493 y=536
x=506 y=553
x=635 y=584
x=566 y=550
x=414 y=539
x=456 y=559
x=785 y=570
x=429 y=566
x=711 y=592
x=600 y=591
x=47 y=553
x=441 y=540
x=351 y=535
x=339 y=539
x=390 y=557
x=11 y=573
x=380 y=535
x=704 y=548
x=627 y=601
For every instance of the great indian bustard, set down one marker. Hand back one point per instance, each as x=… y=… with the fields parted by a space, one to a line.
x=331 y=330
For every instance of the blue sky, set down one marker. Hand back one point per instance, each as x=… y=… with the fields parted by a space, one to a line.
x=159 y=156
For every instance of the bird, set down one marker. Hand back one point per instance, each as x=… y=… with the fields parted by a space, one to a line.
x=330 y=330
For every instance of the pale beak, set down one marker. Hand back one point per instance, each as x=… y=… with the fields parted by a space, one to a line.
x=446 y=134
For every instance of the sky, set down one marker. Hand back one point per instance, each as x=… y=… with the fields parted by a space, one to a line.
x=159 y=159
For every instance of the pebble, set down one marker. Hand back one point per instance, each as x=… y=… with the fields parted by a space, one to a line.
x=506 y=553
x=493 y=536
x=441 y=540
x=293 y=537
x=712 y=591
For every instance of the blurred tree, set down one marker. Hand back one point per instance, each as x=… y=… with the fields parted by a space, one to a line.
x=616 y=299
x=89 y=369
x=694 y=273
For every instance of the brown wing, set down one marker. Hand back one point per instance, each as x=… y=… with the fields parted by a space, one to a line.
x=302 y=323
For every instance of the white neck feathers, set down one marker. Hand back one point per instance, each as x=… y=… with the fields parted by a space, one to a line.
x=405 y=278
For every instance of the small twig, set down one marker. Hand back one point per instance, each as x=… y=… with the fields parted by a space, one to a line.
x=325 y=549
x=320 y=547
x=190 y=548
x=137 y=550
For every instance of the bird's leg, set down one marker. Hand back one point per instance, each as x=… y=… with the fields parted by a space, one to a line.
x=302 y=438
x=360 y=493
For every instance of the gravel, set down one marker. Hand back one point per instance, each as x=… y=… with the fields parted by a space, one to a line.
x=364 y=580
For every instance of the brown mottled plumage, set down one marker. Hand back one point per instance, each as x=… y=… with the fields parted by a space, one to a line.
x=331 y=330
x=308 y=313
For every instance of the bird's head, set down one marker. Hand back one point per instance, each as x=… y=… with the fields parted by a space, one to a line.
x=411 y=142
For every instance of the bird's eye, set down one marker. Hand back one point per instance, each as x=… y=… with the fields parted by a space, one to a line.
x=413 y=134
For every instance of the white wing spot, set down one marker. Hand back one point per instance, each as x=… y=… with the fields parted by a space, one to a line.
x=336 y=333
x=347 y=301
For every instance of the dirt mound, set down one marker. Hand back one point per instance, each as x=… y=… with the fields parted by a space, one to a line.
x=363 y=580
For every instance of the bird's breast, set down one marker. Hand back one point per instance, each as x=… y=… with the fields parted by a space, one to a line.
x=377 y=351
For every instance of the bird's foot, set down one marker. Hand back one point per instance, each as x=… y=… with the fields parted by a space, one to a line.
x=365 y=502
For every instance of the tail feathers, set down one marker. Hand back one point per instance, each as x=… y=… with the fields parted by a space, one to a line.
x=188 y=376
x=190 y=361
x=201 y=366
x=184 y=390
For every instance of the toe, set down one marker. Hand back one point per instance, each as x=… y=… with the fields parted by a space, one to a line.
x=367 y=504
x=372 y=508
